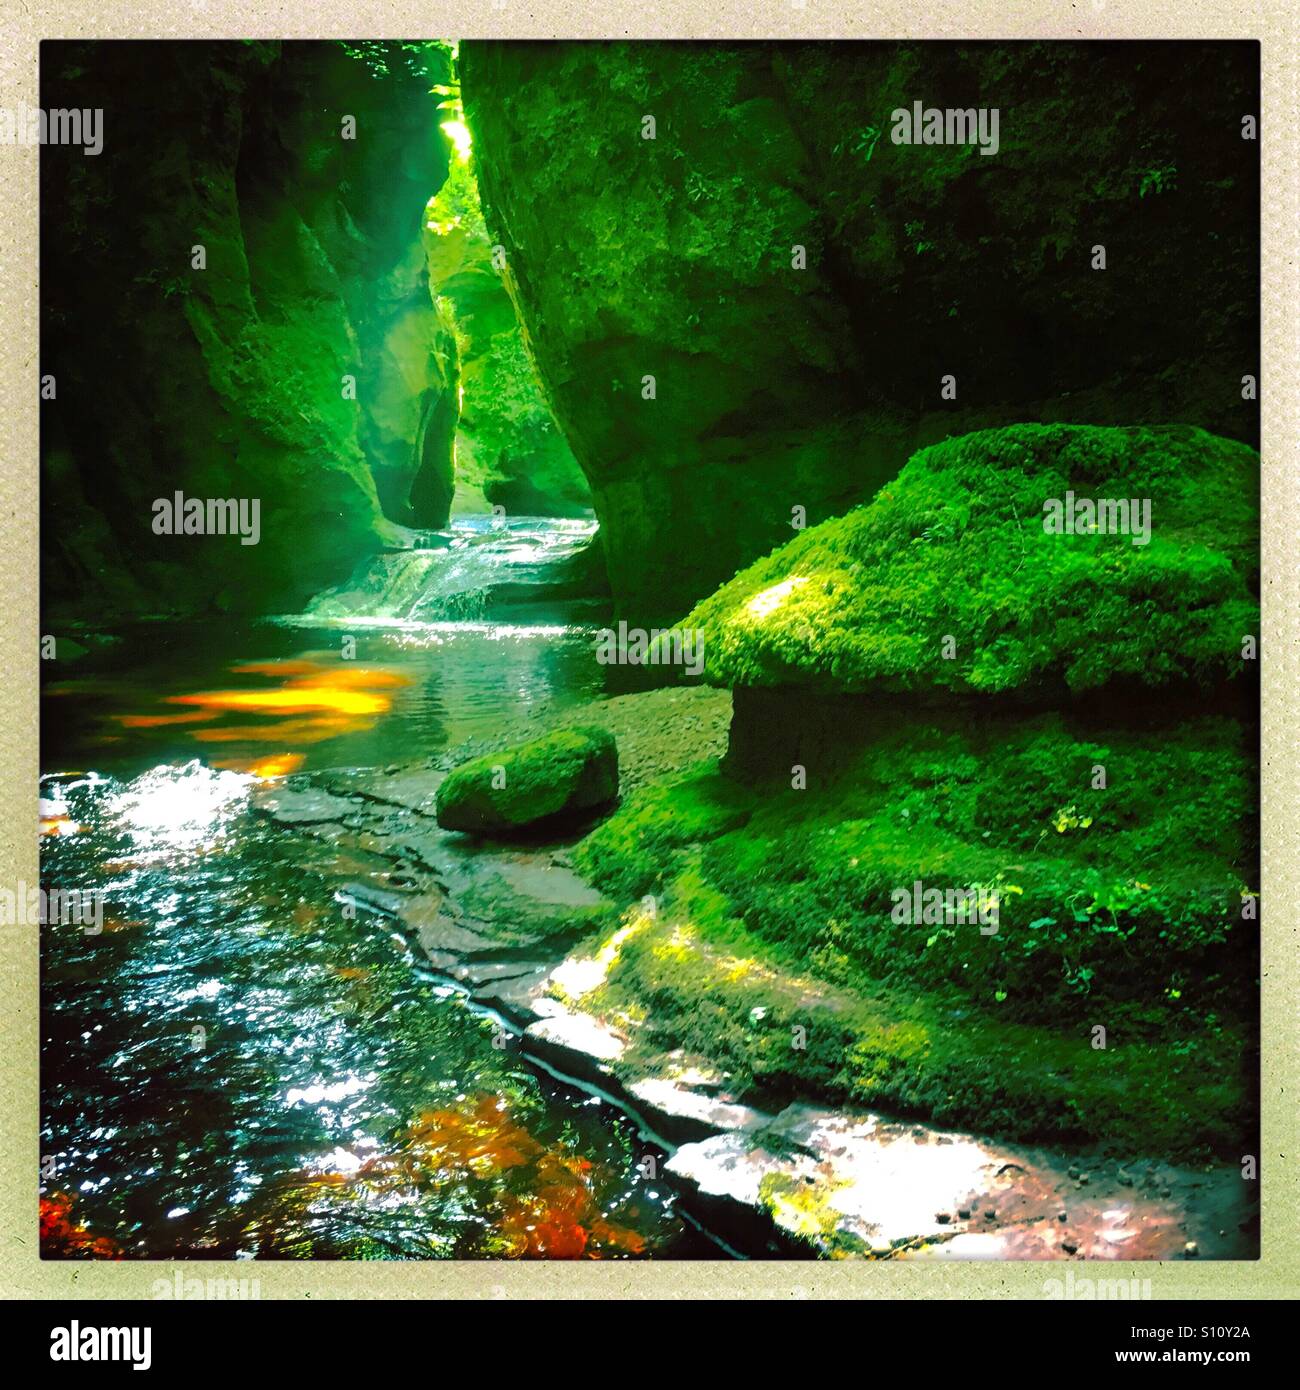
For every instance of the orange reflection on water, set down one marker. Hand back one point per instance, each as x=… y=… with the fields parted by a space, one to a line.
x=545 y=1200
x=286 y=731
x=275 y=765
x=306 y=702
x=59 y=825
x=481 y=1139
x=298 y=699
x=160 y=721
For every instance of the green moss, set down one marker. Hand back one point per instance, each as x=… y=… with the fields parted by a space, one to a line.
x=565 y=772
x=510 y=438
x=633 y=851
x=1125 y=891
x=734 y=1002
x=509 y=451
x=231 y=379
x=782 y=388
x=806 y=1209
x=955 y=547
x=1119 y=906
x=778 y=1032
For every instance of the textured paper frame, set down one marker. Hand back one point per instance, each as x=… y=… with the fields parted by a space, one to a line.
x=1275 y=23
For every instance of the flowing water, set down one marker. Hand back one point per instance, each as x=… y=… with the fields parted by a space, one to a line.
x=463 y=576
x=230 y=1067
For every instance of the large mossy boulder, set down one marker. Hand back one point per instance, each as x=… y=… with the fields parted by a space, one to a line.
x=949 y=582
x=560 y=777
x=935 y=694
x=798 y=286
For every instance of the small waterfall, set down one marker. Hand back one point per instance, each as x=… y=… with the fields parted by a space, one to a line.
x=479 y=563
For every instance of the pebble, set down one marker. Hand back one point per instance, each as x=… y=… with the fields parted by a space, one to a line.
x=1069 y=1247
x=943 y=1217
x=1191 y=1250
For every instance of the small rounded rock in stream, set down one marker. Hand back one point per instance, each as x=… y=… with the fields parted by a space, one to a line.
x=562 y=776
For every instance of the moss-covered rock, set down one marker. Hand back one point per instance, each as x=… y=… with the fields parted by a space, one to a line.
x=777 y=387
x=1114 y=839
x=629 y=854
x=561 y=776
x=950 y=582
x=1124 y=903
x=1120 y=886
x=776 y=1029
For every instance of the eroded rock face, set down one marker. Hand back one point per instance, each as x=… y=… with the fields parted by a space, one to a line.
x=509 y=450
x=778 y=388
x=231 y=380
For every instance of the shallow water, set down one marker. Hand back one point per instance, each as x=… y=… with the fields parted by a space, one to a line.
x=230 y=1067
x=328 y=689
x=270 y=689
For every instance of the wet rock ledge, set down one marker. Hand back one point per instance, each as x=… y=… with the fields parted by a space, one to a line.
x=503 y=924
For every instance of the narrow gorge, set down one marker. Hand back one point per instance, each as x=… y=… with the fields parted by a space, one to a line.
x=656 y=786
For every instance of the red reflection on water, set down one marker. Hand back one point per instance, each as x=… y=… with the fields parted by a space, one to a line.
x=62 y=1237
x=544 y=1201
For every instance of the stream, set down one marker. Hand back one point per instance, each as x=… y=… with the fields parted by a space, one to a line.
x=230 y=1067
